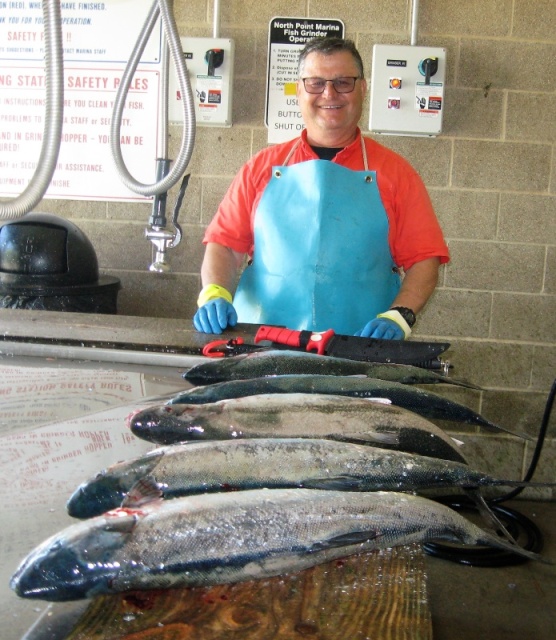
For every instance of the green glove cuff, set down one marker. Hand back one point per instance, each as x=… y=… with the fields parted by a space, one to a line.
x=212 y=291
x=397 y=317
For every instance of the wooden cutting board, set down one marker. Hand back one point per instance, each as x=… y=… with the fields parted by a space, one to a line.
x=376 y=595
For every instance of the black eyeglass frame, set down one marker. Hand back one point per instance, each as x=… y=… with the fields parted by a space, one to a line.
x=334 y=81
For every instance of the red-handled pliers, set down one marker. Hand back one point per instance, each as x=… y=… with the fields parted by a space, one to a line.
x=221 y=348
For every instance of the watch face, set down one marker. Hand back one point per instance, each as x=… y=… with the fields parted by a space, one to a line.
x=407 y=314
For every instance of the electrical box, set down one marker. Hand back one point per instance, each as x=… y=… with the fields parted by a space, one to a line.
x=210 y=63
x=407 y=90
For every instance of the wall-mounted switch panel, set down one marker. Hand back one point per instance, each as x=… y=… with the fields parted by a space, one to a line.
x=210 y=63
x=407 y=90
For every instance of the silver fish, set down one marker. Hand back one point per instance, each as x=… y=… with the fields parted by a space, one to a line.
x=232 y=537
x=281 y=362
x=296 y=415
x=425 y=403
x=206 y=467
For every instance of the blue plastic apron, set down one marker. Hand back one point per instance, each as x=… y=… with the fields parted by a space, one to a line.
x=321 y=259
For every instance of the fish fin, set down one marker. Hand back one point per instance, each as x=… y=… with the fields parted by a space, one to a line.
x=144 y=491
x=521 y=483
x=378 y=400
x=460 y=382
x=334 y=483
x=463 y=383
x=518 y=434
x=488 y=515
x=385 y=438
x=120 y=521
x=518 y=550
x=346 y=539
x=487 y=424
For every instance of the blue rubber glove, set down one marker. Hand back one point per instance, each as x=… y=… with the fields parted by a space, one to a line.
x=214 y=316
x=382 y=328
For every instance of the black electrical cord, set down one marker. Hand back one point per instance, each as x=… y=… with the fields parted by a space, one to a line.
x=538 y=447
x=516 y=523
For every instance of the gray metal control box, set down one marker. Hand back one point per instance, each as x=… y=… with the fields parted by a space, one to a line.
x=407 y=90
x=210 y=63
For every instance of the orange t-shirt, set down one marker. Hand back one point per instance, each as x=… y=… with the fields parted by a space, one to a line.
x=414 y=233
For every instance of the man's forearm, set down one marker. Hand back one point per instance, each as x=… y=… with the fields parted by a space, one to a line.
x=418 y=285
x=220 y=266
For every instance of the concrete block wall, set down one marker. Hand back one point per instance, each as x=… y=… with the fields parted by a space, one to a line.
x=491 y=175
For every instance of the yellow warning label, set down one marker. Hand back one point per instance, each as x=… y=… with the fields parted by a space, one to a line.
x=290 y=88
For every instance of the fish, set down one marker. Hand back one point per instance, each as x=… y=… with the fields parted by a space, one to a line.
x=279 y=362
x=295 y=415
x=425 y=403
x=231 y=465
x=223 y=538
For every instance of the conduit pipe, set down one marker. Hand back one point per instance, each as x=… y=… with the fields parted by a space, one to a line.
x=414 y=21
x=216 y=19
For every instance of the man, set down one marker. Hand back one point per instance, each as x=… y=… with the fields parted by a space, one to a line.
x=329 y=220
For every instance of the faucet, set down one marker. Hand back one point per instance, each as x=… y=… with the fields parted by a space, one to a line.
x=157 y=231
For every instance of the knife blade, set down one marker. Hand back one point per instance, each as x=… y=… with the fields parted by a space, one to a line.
x=353 y=347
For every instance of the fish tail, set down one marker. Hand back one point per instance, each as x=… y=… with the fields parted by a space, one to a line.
x=488 y=515
x=483 y=422
x=507 y=542
x=500 y=543
x=460 y=383
x=520 y=483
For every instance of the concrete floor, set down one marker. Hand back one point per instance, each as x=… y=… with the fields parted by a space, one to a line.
x=497 y=603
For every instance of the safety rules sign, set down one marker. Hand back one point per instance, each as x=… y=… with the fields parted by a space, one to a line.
x=97 y=38
x=287 y=36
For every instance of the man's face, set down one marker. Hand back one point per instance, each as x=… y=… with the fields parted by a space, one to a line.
x=330 y=117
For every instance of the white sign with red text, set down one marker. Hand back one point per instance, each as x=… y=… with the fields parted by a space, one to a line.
x=98 y=38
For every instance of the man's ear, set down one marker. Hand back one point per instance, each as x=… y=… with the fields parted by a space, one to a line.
x=363 y=87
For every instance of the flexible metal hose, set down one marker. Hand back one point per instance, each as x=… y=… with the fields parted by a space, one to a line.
x=54 y=113
x=159 y=7
x=54 y=110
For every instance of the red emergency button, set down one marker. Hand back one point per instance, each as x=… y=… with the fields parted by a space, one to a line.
x=395 y=83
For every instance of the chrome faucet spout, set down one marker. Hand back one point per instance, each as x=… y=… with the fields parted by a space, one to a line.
x=162 y=239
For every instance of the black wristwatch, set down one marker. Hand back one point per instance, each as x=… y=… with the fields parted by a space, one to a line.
x=406 y=313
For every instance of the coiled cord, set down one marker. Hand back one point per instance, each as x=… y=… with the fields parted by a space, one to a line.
x=517 y=524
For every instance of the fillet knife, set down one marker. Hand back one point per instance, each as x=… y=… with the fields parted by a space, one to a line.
x=353 y=347
x=423 y=354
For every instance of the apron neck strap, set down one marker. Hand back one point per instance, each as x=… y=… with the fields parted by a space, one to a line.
x=290 y=154
x=363 y=151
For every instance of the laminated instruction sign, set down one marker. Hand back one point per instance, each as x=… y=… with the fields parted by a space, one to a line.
x=97 y=39
x=287 y=36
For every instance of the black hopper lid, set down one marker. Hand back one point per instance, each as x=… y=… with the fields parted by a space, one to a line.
x=44 y=254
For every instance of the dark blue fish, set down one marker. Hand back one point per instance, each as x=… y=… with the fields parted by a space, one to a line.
x=425 y=403
x=284 y=362
x=229 y=537
x=296 y=415
x=232 y=465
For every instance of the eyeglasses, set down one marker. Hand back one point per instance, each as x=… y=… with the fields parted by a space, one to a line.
x=341 y=85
